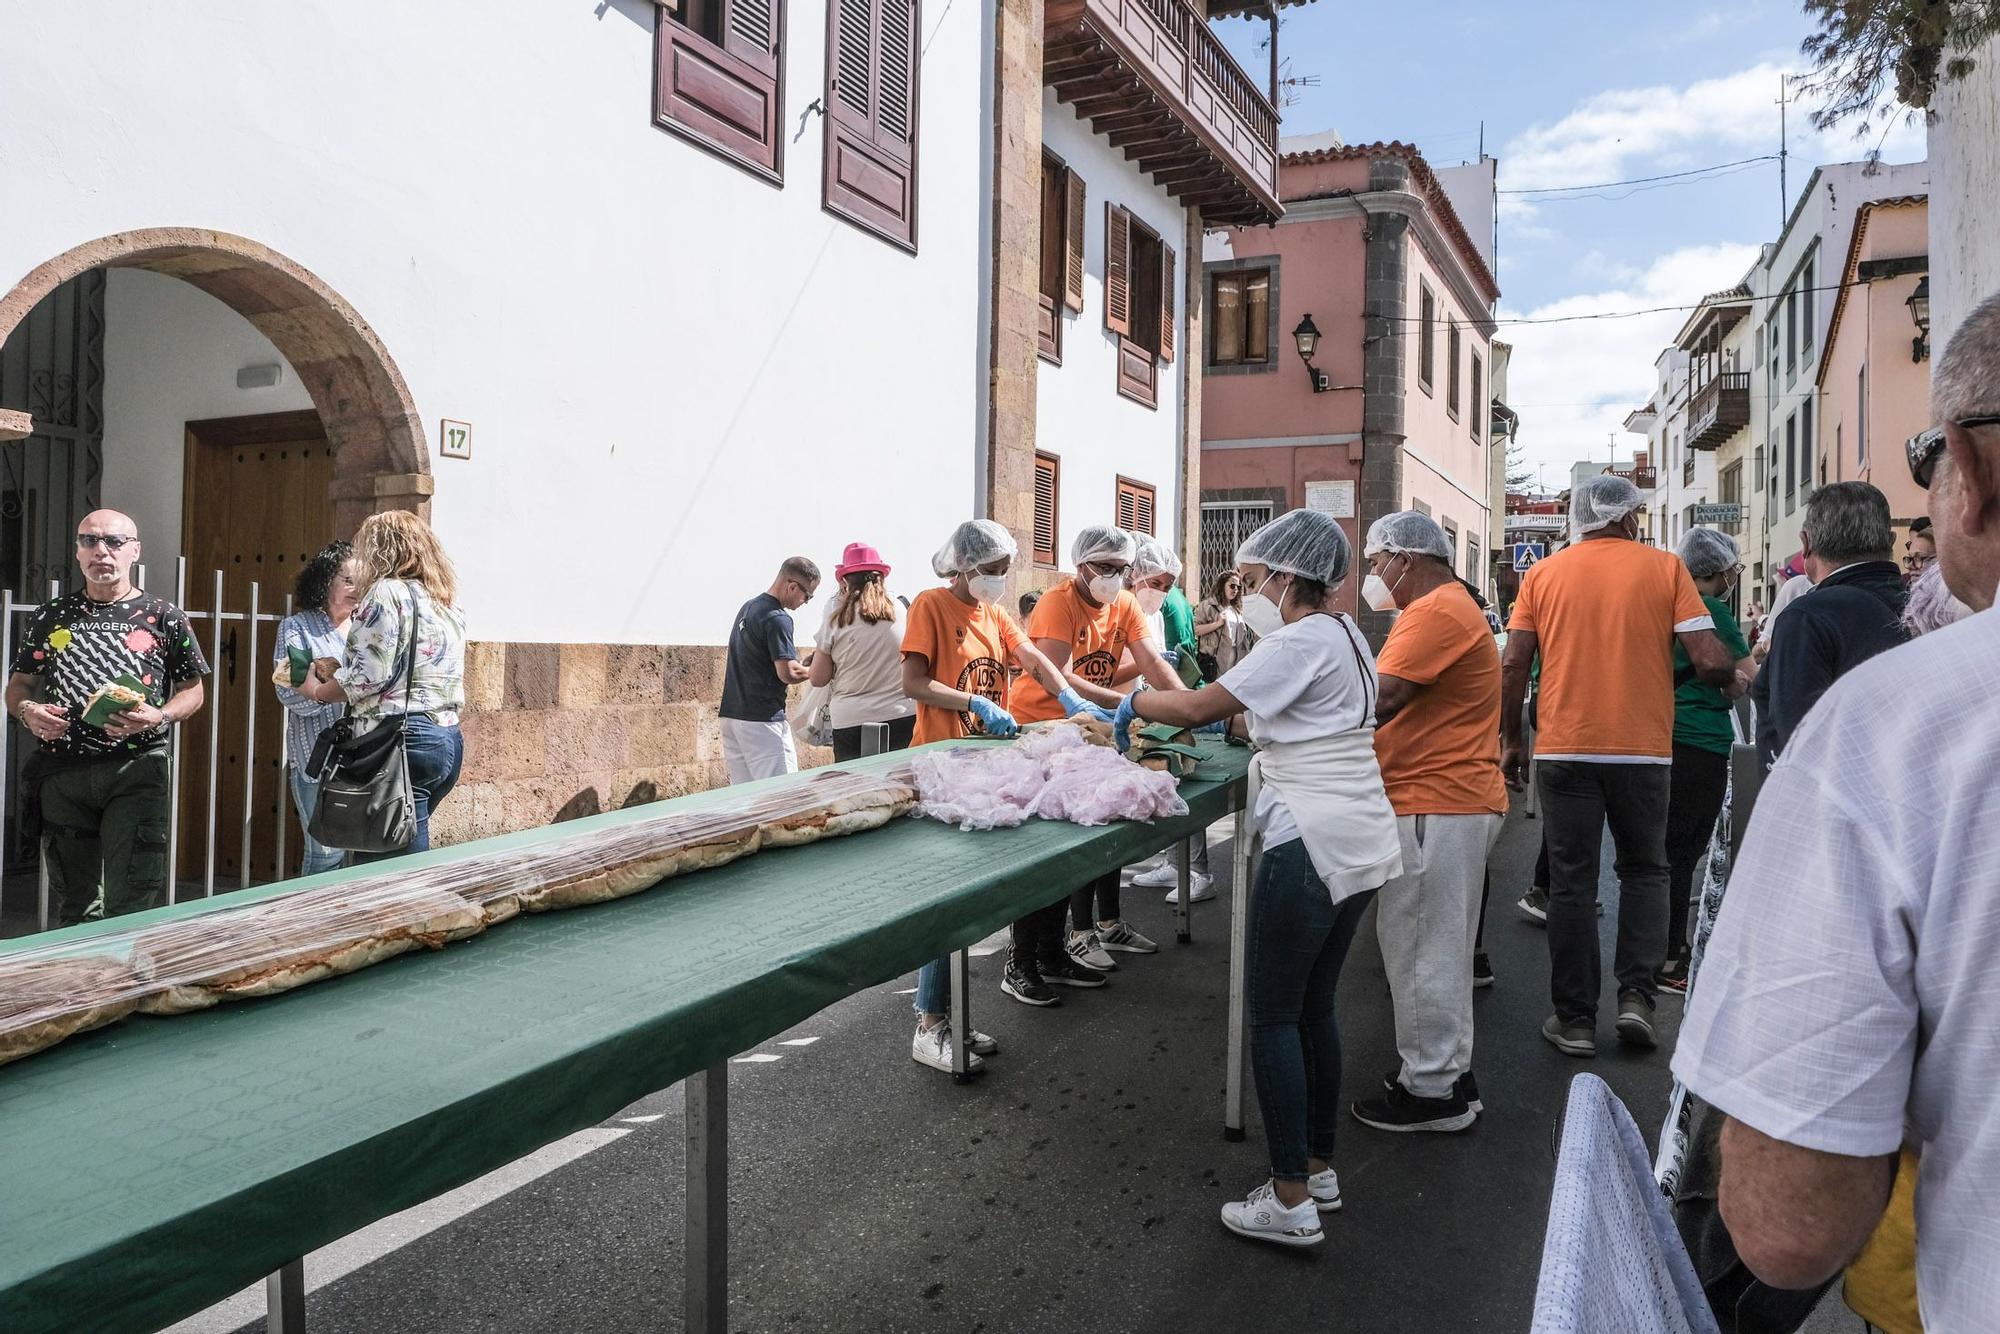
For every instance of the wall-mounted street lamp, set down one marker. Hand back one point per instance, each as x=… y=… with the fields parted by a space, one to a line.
x=1307 y=338
x=1920 y=312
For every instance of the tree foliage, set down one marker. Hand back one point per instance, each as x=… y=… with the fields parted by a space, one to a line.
x=1519 y=475
x=1865 y=51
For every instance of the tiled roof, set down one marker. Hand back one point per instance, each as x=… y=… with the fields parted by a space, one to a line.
x=1850 y=269
x=1427 y=185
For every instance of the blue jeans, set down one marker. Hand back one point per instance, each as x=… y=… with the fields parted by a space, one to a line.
x=934 y=987
x=318 y=857
x=1298 y=939
x=435 y=754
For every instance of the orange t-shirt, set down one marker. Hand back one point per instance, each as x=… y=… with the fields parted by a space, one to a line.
x=1096 y=636
x=1604 y=613
x=1441 y=754
x=968 y=649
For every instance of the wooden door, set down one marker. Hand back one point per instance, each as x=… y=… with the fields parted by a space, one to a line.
x=256 y=507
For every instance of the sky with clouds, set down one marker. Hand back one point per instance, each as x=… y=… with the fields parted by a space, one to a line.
x=1573 y=94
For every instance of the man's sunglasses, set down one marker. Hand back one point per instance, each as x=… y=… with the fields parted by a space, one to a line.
x=1925 y=446
x=109 y=541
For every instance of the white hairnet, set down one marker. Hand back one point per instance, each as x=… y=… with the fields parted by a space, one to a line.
x=1153 y=559
x=974 y=543
x=1602 y=501
x=1101 y=542
x=1303 y=542
x=1705 y=551
x=1407 y=533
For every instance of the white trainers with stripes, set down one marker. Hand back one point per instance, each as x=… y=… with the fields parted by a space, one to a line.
x=1262 y=1218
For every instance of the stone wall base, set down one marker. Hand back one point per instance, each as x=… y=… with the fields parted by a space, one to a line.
x=558 y=731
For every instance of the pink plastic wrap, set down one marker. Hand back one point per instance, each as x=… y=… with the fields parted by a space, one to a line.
x=1053 y=774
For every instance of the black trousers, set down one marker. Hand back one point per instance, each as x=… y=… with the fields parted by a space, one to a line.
x=1102 y=893
x=1694 y=800
x=1578 y=798
x=1039 y=939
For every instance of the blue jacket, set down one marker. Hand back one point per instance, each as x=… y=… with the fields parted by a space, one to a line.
x=1849 y=616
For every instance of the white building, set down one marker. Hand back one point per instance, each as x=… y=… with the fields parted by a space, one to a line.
x=1964 y=153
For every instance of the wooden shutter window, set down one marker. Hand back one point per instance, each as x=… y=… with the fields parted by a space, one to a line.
x=1048 y=481
x=1135 y=506
x=1117 y=270
x=1050 y=301
x=1166 y=302
x=1225 y=309
x=1073 y=243
x=872 y=59
x=718 y=79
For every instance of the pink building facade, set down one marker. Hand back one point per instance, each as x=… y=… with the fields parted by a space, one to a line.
x=1874 y=392
x=1394 y=410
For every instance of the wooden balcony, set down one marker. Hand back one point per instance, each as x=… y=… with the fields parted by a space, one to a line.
x=1644 y=478
x=1151 y=77
x=1719 y=410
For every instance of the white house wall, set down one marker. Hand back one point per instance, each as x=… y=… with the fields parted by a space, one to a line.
x=1079 y=415
x=1964 y=153
x=676 y=373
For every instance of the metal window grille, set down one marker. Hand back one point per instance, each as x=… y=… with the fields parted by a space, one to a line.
x=1224 y=525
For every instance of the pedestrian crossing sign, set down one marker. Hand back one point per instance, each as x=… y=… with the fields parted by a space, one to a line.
x=1527 y=553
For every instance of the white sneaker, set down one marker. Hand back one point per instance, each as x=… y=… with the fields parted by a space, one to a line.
x=1130 y=874
x=932 y=1047
x=1120 y=936
x=1088 y=950
x=1263 y=1218
x=1201 y=888
x=1325 y=1190
x=982 y=1044
x=1158 y=875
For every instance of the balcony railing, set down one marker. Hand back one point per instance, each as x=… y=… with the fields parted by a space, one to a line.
x=1152 y=77
x=1643 y=478
x=1687 y=469
x=1719 y=410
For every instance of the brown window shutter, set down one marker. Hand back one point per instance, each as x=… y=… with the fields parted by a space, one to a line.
x=1048 y=476
x=1142 y=520
x=1166 y=302
x=1117 y=270
x=1127 y=508
x=870 y=175
x=728 y=97
x=1073 y=245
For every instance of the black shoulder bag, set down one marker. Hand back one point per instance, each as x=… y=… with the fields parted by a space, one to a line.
x=365 y=803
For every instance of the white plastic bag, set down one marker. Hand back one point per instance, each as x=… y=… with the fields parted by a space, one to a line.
x=812 y=716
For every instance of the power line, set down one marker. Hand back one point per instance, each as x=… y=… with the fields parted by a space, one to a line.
x=1641 y=180
x=1513 y=321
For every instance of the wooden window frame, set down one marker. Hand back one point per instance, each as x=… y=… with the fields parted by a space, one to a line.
x=1062 y=241
x=1476 y=387
x=1426 y=338
x=1452 y=347
x=726 y=97
x=1243 y=269
x=869 y=162
x=1138 y=491
x=1140 y=305
x=1047 y=556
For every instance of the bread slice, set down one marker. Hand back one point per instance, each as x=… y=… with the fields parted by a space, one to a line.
x=44 y=1000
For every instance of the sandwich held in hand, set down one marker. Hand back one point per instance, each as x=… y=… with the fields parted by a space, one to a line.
x=113 y=698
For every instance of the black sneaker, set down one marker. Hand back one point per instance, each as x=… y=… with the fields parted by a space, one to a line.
x=1027 y=987
x=1635 y=1019
x=1070 y=973
x=1402 y=1110
x=1673 y=975
x=1535 y=903
x=1482 y=970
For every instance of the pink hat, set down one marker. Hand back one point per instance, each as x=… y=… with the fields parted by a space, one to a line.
x=860 y=558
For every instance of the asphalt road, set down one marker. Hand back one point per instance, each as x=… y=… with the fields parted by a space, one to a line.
x=1074 y=1187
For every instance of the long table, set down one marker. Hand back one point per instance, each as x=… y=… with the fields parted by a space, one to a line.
x=155 y=1167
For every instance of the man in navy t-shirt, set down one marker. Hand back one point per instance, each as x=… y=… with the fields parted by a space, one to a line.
x=763 y=665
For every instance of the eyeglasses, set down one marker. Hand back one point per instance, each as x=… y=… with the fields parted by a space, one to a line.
x=109 y=541
x=1914 y=562
x=1925 y=446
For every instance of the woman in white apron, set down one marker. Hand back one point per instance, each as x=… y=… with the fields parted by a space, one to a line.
x=1307 y=693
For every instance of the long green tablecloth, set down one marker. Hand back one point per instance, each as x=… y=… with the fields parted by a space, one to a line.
x=154 y=1167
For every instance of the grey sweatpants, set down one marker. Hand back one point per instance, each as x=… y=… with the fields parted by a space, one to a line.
x=1427 y=919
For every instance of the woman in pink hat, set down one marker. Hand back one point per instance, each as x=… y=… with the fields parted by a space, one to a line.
x=860 y=654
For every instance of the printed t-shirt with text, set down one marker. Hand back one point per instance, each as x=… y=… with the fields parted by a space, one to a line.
x=968 y=648
x=1605 y=612
x=1441 y=754
x=1097 y=638
x=76 y=644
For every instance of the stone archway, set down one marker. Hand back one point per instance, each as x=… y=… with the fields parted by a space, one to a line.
x=380 y=460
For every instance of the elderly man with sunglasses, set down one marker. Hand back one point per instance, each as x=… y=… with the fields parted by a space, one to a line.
x=100 y=788
x=1846 y=1003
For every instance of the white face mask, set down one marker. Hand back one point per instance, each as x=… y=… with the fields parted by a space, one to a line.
x=1150 y=599
x=1105 y=588
x=1263 y=616
x=1378 y=595
x=986 y=587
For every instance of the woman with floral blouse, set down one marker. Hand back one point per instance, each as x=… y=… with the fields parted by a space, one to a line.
x=407 y=592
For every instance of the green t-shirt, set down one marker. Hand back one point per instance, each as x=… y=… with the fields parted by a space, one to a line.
x=1701 y=712
x=1178 y=619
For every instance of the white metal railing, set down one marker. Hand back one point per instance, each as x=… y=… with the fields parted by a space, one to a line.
x=255 y=681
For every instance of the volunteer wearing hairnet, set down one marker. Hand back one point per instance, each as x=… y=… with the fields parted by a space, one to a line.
x=1307 y=693
x=1155 y=572
x=1438 y=742
x=1703 y=733
x=1084 y=625
x=1604 y=613
x=956 y=648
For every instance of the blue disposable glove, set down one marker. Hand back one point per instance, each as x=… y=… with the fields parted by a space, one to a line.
x=1173 y=658
x=1121 y=724
x=1074 y=704
x=1220 y=727
x=996 y=720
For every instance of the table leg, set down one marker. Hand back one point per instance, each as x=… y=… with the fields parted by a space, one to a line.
x=1239 y=918
x=41 y=889
x=961 y=1018
x=285 y=1300
x=707 y=1277
x=1184 y=870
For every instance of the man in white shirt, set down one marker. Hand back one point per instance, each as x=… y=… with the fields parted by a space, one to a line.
x=1847 y=1003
